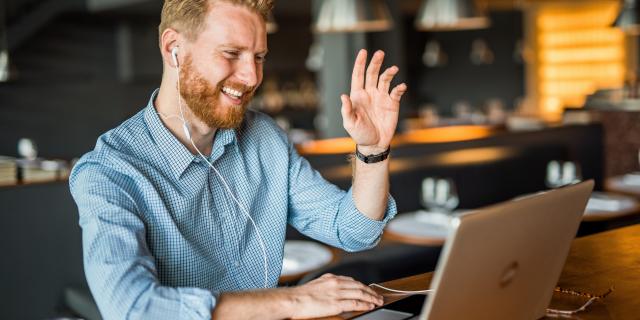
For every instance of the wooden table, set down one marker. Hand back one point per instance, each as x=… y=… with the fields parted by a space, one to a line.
x=594 y=264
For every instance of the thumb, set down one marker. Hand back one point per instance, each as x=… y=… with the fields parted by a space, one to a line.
x=346 y=111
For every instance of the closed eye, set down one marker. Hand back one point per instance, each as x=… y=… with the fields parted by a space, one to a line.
x=261 y=58
x=229 y=54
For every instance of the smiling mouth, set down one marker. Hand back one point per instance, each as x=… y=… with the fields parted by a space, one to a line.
x=235 y=95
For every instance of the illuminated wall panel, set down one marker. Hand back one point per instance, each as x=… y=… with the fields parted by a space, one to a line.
x=575 y=51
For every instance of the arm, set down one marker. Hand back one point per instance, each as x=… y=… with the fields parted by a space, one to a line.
x=326 y=213
x=370 y=116
x=326 y=296
x=119 y=267
x=122 y=275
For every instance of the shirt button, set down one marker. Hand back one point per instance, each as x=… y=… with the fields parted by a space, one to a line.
x=236 y=263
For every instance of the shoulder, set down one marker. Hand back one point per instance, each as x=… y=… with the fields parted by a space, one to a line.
x=125 y=138
x=113 y=150
x=258 y=125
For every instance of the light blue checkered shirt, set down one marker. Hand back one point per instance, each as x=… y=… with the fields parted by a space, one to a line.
x=161 y=236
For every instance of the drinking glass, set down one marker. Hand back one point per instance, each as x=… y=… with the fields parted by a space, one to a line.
x=439 y=195
x=562 y=173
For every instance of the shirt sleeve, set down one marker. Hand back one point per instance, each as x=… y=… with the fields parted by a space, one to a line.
x=119 y=267
x=326 y=213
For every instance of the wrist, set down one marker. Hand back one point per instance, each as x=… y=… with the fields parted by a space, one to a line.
x=372 y=154
x=371 y=150
x=288 y=301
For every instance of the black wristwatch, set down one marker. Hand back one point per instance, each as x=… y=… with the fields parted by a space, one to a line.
x=373 y=158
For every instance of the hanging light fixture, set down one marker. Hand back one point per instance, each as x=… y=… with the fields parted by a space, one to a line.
x=272 y=26
x=449 y=15
x=4 y=48
x=353 y=16
x=629 y=18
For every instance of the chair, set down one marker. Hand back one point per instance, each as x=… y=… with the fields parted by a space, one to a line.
x=80 y=302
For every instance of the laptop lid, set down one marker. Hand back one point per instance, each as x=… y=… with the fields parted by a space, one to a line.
x=503 y=261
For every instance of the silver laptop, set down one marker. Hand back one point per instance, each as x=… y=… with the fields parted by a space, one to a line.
x=503 y=261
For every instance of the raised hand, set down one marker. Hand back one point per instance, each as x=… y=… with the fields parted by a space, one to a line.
x=370 y=111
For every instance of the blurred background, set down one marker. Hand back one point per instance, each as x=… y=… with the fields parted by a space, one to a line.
x=506 y=97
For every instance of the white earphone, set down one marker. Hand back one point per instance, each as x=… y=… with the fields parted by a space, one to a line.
x=185 y=127
x=174 y=55
x=187 y=133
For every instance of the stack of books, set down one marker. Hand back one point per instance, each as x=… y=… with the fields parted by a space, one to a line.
x=34 y=171
x=8 y=171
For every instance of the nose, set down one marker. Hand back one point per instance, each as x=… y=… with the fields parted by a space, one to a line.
x=248 y=72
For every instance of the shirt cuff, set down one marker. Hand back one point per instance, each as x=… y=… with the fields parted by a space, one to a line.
x=197 y=303
x=359 y=231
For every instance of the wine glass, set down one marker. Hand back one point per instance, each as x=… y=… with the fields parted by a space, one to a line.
x=439 y=195
x=562 y=173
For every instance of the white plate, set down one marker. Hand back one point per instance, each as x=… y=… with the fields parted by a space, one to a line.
x=625 y=183
x=632 y=179
x=304 y=256
x=600 y=202
x=421 y=224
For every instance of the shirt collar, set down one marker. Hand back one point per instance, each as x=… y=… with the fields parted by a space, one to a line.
x=177 y=155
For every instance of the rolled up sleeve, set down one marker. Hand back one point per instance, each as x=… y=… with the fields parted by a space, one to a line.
x=357 y=229
x=326 y=213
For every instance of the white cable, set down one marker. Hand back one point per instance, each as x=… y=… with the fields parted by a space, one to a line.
x=425 y=292
x=242 y=208
x=245 y=211
x=171 y=116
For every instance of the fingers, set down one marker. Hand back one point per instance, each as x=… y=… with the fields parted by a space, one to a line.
x=357 y=77
x=355 y=296
x=361 y=295
x=398 y=91
x=386 y=78
x=374 y=70
x=355 y=305
x=331 y=294
x=347 y=119
x=350 y=283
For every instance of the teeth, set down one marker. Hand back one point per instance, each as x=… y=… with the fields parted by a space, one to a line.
x=232 y=92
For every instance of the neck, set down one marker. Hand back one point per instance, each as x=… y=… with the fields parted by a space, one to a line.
x=166 y=105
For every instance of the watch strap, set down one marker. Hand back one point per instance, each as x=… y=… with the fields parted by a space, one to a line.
x=373 y=158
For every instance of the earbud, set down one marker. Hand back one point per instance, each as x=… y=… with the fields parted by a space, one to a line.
x=185 y=128
x=174 y=55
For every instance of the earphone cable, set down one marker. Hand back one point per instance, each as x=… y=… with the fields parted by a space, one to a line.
x=242 y=208
x=224 y=182
x=425 y=292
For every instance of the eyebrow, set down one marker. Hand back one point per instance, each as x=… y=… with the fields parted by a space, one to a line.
x=265 y=51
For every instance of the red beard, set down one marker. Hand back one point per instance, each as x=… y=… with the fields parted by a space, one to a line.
x=204 y=99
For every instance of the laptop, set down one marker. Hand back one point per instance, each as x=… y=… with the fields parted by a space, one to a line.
x=500 y=262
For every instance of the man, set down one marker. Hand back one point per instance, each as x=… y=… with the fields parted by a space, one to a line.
x=184 y=206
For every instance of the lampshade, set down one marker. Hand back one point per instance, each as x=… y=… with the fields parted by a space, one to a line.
x=4 y=50
x=353 y=16
x=629 y=18
x=449 y=15
x=272 y=26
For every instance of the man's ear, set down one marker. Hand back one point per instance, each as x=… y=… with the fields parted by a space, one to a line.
x=169 y=39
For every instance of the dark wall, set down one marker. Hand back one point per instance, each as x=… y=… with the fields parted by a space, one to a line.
x=69 y=86
x=41 y=246
x=460 y=79
x=65 y=90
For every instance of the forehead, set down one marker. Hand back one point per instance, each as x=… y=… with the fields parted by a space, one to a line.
x=227 y=23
